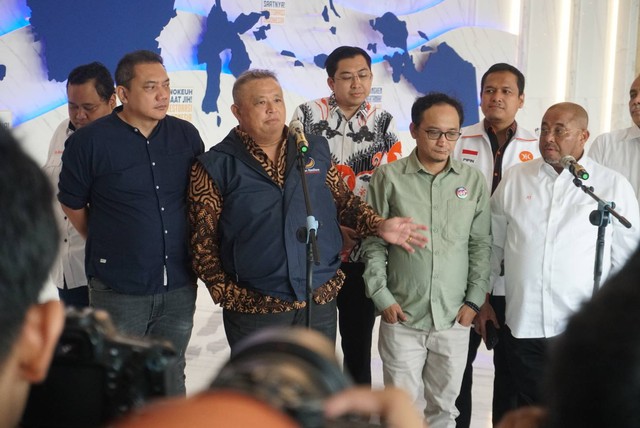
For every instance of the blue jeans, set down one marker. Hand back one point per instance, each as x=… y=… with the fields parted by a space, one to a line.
x=77 y=297
x=164 y=316
x=238 y=325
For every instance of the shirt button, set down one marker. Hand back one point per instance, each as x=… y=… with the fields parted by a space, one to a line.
x=166 y=257
x=166 y=231
x=157 y=187
x=435 y=230
x=153 y=163
x=495 y=174
x=65 y=240
x=65 y=217
x=161 y=208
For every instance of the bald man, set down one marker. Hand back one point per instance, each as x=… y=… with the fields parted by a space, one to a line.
x=620 y=149
x=541 y=227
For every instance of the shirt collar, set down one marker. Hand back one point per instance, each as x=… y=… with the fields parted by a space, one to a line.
x=414 y=165
x=547 y=169
x=119 y=109
x=511 y=129
x=362 y=111
x=253 y=147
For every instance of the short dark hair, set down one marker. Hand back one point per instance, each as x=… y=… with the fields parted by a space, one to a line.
x=124 y=70
x=249 y=76
x=28 y=237
x=338 y=54
x=502 y=66
x=96 y=72
x=425 y=102
x=594 y=369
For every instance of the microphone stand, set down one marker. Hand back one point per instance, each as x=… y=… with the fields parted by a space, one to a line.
x=308 y=234
x=600 y=218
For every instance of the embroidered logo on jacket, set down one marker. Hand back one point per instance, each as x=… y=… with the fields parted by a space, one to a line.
x=469 y=155
x=309 y=167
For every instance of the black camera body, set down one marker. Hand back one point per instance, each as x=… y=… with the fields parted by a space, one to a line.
x=97 y=374
x=292 y=369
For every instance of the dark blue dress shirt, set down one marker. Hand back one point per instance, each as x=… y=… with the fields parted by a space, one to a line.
x=136 y=190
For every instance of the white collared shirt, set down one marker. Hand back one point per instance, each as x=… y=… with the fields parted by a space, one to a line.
x=70 y=262
x=620 y=151
x=474 y=149
x=540 y=225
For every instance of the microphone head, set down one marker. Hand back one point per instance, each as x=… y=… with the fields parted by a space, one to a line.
x=295 y=126
x=566 y=161
x=296 y=131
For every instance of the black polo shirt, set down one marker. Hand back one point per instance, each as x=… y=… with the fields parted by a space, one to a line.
x=136 y=190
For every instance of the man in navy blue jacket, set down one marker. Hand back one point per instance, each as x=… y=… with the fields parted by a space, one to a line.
x=246 y=204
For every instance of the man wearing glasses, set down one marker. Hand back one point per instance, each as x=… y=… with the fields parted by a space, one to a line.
x=541 y=228
x=429 y=301
x=361 y=137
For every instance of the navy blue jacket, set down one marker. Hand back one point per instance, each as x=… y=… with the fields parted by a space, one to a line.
x=259 y=220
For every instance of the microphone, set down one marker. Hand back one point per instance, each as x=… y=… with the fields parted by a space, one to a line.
x=578 y=171
x=296 y=130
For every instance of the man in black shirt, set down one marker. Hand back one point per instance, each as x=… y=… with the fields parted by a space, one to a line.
x=132 y=169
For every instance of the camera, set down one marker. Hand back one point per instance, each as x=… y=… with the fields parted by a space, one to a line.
x=292 y=369
x=97 y=374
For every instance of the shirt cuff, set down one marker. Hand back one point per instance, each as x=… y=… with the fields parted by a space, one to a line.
x=475 y=295
x=71 y=201
x=383 y=299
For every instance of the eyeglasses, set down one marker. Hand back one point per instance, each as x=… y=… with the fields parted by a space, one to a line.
x=362 y=76
x=558 y=132
x=434 y=134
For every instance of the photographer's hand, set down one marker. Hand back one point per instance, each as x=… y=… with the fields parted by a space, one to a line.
x=392 y=404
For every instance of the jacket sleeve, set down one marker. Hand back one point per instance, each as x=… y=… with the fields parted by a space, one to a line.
x=205 y=206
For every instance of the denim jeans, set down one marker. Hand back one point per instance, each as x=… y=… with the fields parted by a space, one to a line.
x=164 y=316
x=77 y=297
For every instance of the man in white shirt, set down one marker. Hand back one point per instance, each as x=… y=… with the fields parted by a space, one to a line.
x=91 y=95
x=494 y=145
x=620 y=149
x=541 y=229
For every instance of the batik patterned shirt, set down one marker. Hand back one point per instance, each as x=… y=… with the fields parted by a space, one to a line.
x=358 y=145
